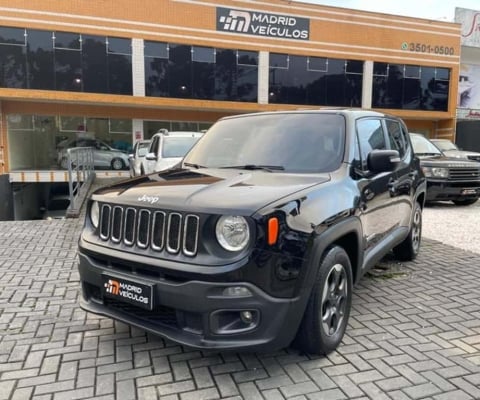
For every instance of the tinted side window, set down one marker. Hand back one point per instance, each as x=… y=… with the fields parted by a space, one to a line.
x=396 y=137
x=370 y=137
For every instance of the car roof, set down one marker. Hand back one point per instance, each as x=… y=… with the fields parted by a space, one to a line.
x=180 y=134
x=352 y=112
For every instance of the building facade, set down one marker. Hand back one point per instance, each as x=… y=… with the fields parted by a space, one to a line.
x=119 y=71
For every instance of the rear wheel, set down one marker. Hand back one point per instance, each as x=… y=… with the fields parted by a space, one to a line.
x=409 y=248
x=464 y=202
x=326 y=316
x=117 y=164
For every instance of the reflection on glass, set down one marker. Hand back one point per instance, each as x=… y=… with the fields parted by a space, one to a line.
x=410 y=87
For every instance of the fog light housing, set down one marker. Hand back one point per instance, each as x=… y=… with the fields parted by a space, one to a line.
x=227 y=322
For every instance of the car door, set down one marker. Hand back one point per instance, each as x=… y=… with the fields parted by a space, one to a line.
x=405 y=173
x=152 y=155
x=377 y=206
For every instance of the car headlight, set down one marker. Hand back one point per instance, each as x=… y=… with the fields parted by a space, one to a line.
x=232 y=232
x=95 y=214
x=435 y=172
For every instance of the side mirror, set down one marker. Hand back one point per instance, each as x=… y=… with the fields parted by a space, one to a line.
x=382 y=160
x=130 y=156
x=151 y=157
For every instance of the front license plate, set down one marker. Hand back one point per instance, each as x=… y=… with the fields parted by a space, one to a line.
x=128 y=291
x=469 y=191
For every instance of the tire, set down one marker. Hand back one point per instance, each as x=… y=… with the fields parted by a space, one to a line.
x=464 y=202
x=410 y=247
x=117 y=164
x=326 y=316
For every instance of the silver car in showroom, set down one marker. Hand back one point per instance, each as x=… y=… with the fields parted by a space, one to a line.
x=104 y=156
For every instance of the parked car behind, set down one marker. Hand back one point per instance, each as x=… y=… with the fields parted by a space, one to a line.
x=448 y=178
x=260 y=234
x=135 y=159
x=451 y=150
x=168 y=149
x=104 y=156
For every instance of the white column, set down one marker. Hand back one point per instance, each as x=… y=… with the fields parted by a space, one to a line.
x=263 y=68
x=137 y=130
x=367 y=84
x=138 y=67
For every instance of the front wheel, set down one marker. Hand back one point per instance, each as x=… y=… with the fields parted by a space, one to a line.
x=410 y=247
x=117 y=164
x=326 y=316
x=464 y=202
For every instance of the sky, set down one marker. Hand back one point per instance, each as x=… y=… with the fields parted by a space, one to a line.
x=443 y=10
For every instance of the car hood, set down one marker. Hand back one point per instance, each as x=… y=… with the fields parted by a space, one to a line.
x=460 y=153
x=208 y=190
x=447 y=162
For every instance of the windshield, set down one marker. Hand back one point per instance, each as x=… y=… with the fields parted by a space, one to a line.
x=422 y=145
x=143 y=149
x=297 y=142
x=445 y=145
x=177 y=146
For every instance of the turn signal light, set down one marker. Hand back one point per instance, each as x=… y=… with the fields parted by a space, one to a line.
x=272 y=231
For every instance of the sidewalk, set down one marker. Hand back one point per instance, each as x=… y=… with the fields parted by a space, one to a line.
x=414 y=333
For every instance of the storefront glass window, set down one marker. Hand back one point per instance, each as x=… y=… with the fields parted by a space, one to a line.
x=65 y=61
x=411 y=87
x=315 y=80
x=38 y=142
x=197 y=72
x=152 y=127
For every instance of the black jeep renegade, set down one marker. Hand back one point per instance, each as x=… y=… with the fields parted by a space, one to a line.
x=257 y=238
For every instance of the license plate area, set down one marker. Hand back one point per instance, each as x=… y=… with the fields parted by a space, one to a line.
x=467 y=192
x=129 y=291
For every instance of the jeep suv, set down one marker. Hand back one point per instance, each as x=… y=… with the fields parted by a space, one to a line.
x=448 y=178
x=259 y=235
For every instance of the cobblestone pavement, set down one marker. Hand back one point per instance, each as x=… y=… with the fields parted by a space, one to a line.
x=414 y=333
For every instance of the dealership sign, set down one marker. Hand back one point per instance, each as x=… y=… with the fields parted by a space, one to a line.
x=262 y=24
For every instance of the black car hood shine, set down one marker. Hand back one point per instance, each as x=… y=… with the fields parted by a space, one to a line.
x=207 y=190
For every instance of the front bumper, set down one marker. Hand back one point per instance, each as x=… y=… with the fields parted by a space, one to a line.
x=444 y=190
x=196 y=313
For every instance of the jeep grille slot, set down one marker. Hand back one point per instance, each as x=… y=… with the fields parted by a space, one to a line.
x=174 y=231
x=464 y=173
x=129 y=235
x=117 y=218
x=105 y=222
x=190 y=235
x=158 y=230
x=145 y=229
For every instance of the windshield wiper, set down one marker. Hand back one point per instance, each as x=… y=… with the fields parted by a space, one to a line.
x=269 y=168
x=193 y=165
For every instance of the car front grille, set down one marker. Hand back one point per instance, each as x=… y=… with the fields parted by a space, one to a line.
x=464 y=173
x=145 y=228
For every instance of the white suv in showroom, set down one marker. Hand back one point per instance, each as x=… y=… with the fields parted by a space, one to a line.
x=168 y=149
